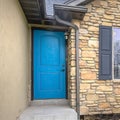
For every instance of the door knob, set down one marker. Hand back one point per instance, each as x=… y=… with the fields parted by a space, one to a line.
x=63 y=70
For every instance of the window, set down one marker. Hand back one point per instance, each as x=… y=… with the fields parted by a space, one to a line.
x=109 y=53
x=116 y=52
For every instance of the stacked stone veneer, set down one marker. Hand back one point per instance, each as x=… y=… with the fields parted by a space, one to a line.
x=96 y=96
x=71 y=69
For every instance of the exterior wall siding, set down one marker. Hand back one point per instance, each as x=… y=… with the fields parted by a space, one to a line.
x=13 y=60
x=96 y=96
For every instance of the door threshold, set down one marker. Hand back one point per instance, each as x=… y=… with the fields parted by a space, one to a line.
x=49 y=102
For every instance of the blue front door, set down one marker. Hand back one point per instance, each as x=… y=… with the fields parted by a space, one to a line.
x=49 y=64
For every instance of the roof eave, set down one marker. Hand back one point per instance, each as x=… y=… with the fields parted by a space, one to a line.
x=70 y=12
x=78 y=2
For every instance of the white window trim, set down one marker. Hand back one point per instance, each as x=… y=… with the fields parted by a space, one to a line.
x=116 y=80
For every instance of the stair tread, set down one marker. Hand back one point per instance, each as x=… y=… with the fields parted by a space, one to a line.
x=49 y=112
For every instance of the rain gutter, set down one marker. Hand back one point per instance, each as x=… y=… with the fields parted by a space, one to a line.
x=77 y=60
x=72 y=12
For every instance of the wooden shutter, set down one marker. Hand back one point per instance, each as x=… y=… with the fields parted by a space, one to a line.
x=105 y=53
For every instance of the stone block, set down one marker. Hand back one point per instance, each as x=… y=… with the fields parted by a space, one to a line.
x=104 y=3
x=92 y=97
x=100 y=10
x=107 y=23
x=88 y=75
x=72 y=71
x=109 y=17
x=93 y=44
x=105 y=88
x=104 y=105
x=84 y=110
x=116 y=110
x=84 y=86
x=73 y=51
x=92 y=28
x=117 y=91
x=89 y=54
x=82 y=63
x=86 y=18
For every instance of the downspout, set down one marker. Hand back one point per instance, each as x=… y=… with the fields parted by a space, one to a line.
x=77 y=60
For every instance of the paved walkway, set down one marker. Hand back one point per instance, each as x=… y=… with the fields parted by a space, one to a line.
x=49 y=112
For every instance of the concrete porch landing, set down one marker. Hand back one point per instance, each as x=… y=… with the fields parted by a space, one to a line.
x=48 y=111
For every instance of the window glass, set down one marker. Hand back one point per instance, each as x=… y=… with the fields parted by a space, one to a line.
x=116 y=43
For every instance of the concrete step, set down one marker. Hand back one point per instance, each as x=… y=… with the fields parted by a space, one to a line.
x=48 y=112
x=50 y=102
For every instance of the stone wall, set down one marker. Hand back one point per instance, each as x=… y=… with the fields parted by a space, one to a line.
x=71 y=69
x=96 y=96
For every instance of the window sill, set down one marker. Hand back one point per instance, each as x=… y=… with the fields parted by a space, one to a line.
x=116 y=80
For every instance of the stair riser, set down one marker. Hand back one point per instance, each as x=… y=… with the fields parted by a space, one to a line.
x=67 y=117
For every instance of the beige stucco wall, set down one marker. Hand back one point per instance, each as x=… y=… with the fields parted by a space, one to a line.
x=13 y=60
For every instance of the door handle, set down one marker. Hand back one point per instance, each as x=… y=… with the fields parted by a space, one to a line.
x=63 y=70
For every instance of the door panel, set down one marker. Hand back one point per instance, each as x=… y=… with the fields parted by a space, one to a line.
x=50 y=51
x=49 y=64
